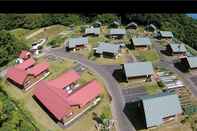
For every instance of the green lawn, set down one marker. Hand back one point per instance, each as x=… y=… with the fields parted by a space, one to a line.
x=86 y=76
x=56 y=68
x=50 y=32
x=148 y=55
x=20 y=32
x=152 y=88
x=108 y=61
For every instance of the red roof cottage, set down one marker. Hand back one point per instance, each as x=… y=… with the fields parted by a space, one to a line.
x=25 y=74
x=24 y=54
x=53 y=96
x=52 y=101
x=65 y=79
x=58 y=101
x=16 y=75
x=85 y=94
x=26 y=64
x=39 y=69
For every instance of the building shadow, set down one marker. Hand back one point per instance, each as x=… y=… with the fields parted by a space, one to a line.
x=118 y=74
x=135 y=114
x=165 y=52
x=45 y=109
x=130 y=45
x=108 y=55
x=182 y=67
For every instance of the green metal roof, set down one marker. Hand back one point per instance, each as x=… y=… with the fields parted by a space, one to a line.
x=138 y=69
x=117 y=31
x=160 y=106
x=107 y=47
x=166 y=34
x=73 y=42
x=178 y=48
x=192 y=61
x=141 y=41
x=95 y=31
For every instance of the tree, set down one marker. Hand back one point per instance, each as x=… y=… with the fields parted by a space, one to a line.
x=106 y=18
x=9 y=47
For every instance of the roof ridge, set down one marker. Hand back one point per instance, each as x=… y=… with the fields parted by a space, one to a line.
x=46 y=82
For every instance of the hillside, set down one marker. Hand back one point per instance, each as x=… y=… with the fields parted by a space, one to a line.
x=183 y=26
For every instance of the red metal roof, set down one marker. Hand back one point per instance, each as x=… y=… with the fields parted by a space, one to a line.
x=17 y=75
x=26 y=64
x=85 y=94
x=52 y=101
x=24 y=54
x=65 y=79
x=38 y=69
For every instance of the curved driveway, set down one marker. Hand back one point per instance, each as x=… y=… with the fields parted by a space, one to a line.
x=113 y=87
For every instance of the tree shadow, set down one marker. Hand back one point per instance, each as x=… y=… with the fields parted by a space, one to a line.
x=118 y=74
x=97 y=118
x=182 y=67
x=135 y=113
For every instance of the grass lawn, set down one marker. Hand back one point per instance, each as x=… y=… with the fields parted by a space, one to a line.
x=107 y=61
x=148 y=55
x=192 y=120
x=58 y=67
x=86 y=76
x=93 y=41
x=171 y=126
x=20 y=33
x=50 y=32
x=138 y=32
x=152 y=88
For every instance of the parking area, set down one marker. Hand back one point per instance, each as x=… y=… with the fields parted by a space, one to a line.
x=132 y=94
x=112 y=68
x=53 y=58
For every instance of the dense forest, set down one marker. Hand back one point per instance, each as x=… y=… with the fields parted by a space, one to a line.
x=12 y=115
x=183 y=26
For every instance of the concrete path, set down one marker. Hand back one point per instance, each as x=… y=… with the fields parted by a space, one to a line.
x=36 y=32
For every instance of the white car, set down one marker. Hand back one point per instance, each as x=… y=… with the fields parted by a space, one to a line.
x=38 y=44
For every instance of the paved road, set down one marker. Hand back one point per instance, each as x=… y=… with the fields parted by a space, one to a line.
x=114 y=89
x=168 y=63
x=133 y=94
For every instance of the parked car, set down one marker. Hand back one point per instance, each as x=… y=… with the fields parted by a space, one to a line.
x=38 y=44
